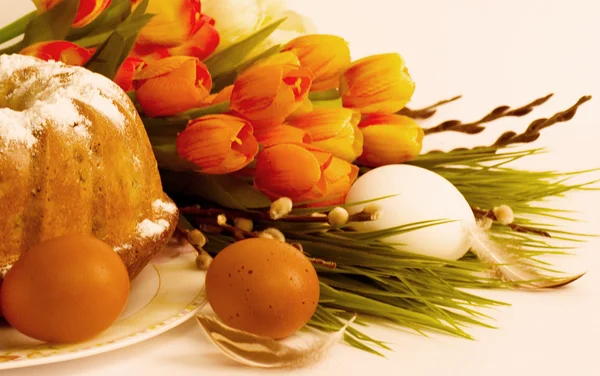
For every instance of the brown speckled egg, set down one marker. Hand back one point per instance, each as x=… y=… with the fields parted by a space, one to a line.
x=263 y=286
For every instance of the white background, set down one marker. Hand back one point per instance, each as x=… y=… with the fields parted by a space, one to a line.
x=492 y=52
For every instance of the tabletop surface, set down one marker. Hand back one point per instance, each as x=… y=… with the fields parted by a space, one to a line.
x=492 y=53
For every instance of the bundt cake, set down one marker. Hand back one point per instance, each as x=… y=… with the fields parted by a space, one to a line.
x=75 y=158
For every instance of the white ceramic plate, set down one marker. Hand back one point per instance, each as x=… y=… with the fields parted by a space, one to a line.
x=165 y=294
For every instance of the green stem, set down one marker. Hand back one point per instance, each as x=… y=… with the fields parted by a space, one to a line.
x=184 y=117
x=326 y=95
x=210 y=110
x=334 y=103
x=16 y=28
x=93 y=40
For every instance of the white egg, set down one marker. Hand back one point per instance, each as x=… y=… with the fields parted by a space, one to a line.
x=421 y=195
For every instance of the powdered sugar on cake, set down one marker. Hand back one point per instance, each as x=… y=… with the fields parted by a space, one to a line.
x=148 y=228
x=46 y=98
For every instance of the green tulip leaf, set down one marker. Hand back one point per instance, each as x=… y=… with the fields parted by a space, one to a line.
x=54 y=24
x=228 y=78
x=110 y=55
x=230 y=58
x=225 y=190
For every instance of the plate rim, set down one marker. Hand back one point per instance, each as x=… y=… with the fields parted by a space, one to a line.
x=129 y=339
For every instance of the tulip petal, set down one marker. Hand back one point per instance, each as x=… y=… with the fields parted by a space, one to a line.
x=333 y=129
x=223 y=96
x=283 y=134
x=161 y=67
x=162 y=96
x=58 y=50
x=201 y=45
x=124 y=76
x=88 y=11
x=174 y=22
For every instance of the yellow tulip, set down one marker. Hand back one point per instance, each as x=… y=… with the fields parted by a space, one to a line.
x=267 y=94
x=377 y=84
x=333 y=129
x=390 y=139
x=218 y=144
x=175 y=21
x=172 y=85
x=326 y=56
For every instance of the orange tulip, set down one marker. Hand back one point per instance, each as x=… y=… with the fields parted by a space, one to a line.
x=128 y=69
x=172 y=85
x=326 y=56
x=379 y=83
x=86 y=13
x=202 y=44
x=218 y=144
x=303 y=173
x=266 y=94
x=175 y=21
x=333 y=129
x=390 y=139
x=59 y=50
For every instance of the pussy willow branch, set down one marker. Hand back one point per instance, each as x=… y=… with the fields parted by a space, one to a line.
x=532 y=132
x=264 y=216
x=426 y=112
x=481 y=213
x=497 y=113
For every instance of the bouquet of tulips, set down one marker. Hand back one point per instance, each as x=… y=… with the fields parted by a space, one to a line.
x=261 y=128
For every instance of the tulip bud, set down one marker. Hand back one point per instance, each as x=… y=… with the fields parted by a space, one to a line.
x=218 y=144
x=333 y=129
x=379 y=83
x=124 y=76
x=172 y=85
x=326 y=56
x=59 y=50
x=87 y=12
x=266 y=94
x=389 y=139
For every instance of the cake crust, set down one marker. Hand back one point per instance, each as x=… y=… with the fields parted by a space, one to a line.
x=75 y=158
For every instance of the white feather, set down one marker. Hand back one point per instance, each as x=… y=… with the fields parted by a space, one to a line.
x=257 y=351
x=504 y=265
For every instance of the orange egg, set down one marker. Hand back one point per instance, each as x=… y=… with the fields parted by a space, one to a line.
x=65 y=290
x=263 y=286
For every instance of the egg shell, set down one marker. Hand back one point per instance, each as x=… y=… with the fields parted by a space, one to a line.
x=263 y=286
x=420 y=195
x=65 y=290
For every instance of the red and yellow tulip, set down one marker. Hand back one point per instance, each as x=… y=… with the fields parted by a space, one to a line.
x=390 y=139
x=175 y=21
x=379 y=83
x=333 y=129
x=86 y=13
x=303 y=173
x=59 y=50
x=326 y=56
x=128 y=69
x=218 y=144
x=172 y=85
x=267 y=93
x=202 y=44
